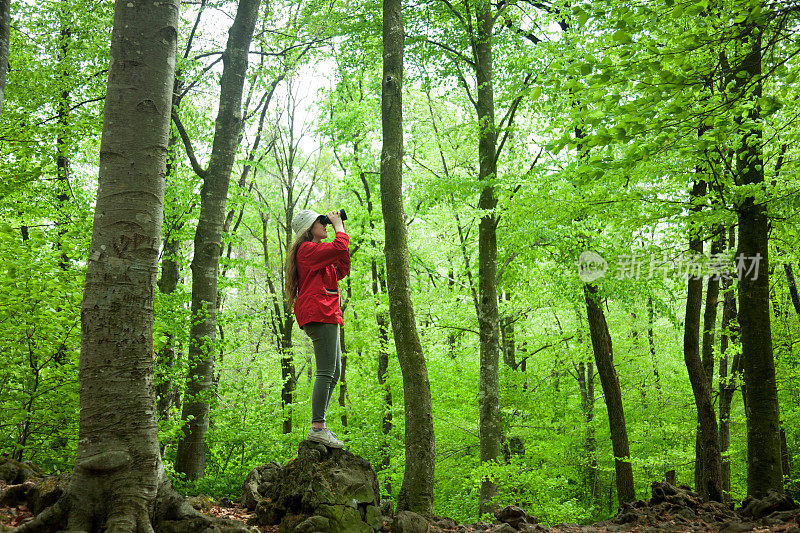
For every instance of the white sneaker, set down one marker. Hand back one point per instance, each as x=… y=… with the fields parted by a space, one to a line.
x=324 y=436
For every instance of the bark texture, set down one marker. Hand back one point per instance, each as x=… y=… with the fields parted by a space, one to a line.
x=764 y=470
x=709 y=471
x=604 y=360
x=488 y=315
x=118 y=472
x=190 y=458
x=416 y=492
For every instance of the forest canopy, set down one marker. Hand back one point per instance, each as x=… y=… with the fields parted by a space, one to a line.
x=595 y=204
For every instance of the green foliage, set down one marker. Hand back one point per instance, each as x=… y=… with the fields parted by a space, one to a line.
x=619 y=108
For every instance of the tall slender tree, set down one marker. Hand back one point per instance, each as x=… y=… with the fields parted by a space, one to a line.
x=190 y=458
x=604 y=360
x=710 y=468
x=764 y=470
x=416 y=492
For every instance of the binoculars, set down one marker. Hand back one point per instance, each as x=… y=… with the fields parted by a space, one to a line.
x=324 y=220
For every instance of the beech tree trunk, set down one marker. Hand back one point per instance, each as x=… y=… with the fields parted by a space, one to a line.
x=190 y=458
x=604 y=360
x=727 y=382
x=416 y=493
x=488 y=317
x=118 y=471
x=790 y=279
x=708 y=474
x=764 y=470
x=707 y=350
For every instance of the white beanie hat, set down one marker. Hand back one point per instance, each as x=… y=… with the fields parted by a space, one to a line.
x=304 y=220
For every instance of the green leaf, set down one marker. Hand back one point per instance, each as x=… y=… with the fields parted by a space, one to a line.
x=622 y=36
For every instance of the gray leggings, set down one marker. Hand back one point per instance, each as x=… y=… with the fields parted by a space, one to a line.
x=328 y=355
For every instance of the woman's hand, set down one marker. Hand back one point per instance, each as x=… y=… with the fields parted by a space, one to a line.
x=336 y=220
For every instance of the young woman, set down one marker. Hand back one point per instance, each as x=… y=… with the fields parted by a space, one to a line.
x=313 y=270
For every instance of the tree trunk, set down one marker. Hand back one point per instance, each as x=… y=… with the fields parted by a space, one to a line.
x=5 y=39
x=416 y=493
x=703 y=479
x=118 y=471
x=790 y=279
x=507 y=338
x=190 y=458
x=383 y=370
x=727 y=384
x=488 y=318
x=652 y=343
x=604 y=360
x=62 y=151
x=707 y=476
x=760 y=393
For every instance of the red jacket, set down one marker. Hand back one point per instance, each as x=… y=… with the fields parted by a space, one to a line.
x=320 y=266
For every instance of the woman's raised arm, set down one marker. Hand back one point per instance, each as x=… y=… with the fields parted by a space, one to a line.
x=318 y=255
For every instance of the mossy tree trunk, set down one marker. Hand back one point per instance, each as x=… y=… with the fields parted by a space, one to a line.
x=416 y=492
x=764 y=471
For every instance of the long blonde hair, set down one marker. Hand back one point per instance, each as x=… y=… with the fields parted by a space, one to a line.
x=292 y=289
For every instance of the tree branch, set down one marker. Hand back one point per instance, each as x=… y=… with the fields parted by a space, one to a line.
x=187 y=143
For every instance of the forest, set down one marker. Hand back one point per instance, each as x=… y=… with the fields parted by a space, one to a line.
x=573 y=232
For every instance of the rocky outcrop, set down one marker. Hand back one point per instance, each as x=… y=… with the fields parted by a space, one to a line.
x=322 y=490
x=672 y=508
x=26 y=484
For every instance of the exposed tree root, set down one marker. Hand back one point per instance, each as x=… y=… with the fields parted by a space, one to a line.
x=90 y=511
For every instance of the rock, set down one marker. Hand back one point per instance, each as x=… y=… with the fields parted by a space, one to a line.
x=36 y=493
x=14 y=472
x=532 y=528
x=320 y=481
x=15 y=494
x=257 y=484
x=408 y=522
x=373 y=517
x=313 y=524
x=344 y=519
x=736 y=527
x=445 y=523
x=387 y=508
x=514 y=515
x=772 y=502
x=503 y=528
x=201 y=502
x=224 y=502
